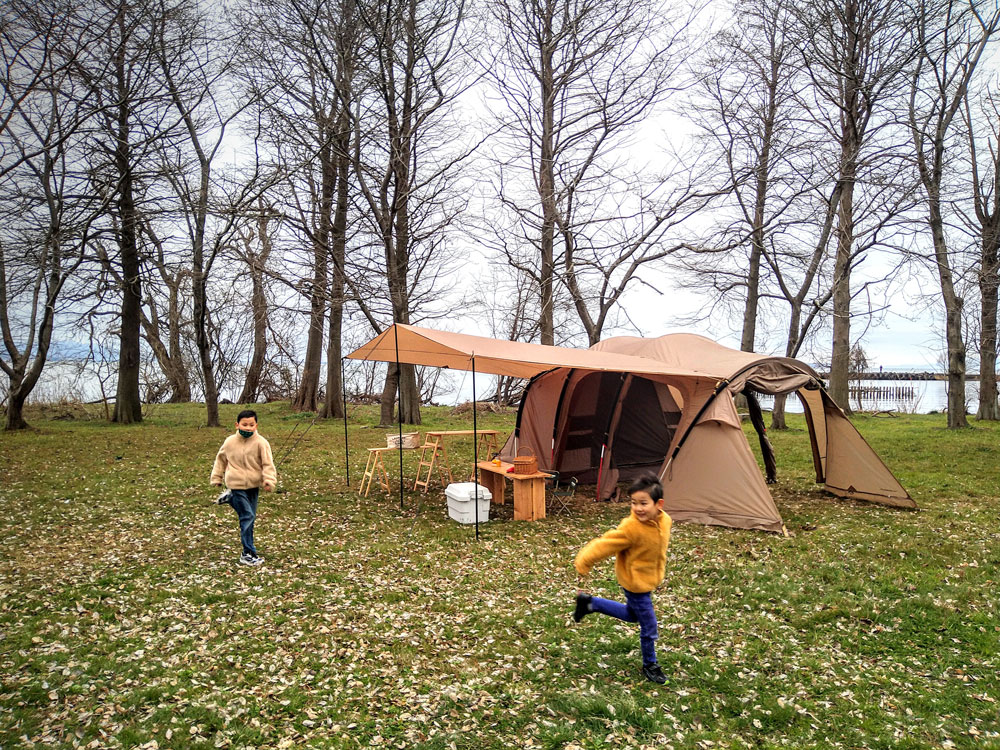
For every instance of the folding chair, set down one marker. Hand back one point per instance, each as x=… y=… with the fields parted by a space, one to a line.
x=561 y=494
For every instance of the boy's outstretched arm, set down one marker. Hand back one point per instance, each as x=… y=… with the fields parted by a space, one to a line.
x=606 y=545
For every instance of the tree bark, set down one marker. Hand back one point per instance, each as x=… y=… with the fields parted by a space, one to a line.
x=841 y=351
x=388 y=400
x=953 y=305
x=307 y=397
x=128 y=405
x=333 y=406
x=258 y=304
x=546 y=183
x=989 y=278
x=15 y=410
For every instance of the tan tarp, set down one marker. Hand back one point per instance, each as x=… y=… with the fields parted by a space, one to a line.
x=631 y=404
x=460 y=351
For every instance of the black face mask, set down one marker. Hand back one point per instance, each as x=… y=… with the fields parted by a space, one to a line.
x=246 y=433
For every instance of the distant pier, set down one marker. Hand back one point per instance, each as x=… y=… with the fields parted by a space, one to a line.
x=889 y=375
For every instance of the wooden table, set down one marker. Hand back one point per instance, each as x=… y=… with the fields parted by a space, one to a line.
x=529 y=489
x=434 y=443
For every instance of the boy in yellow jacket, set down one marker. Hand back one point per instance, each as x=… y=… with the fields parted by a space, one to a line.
x=244 y=464
x=639 y=545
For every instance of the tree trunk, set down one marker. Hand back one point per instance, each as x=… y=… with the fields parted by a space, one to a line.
x=388 y=400
x=546 y=189
x=333 y=407
x=410 y=396
x=128 y=405
x=747 y=341
x=953 y=316
x=180 y=382
x=307 y=398
x=258 y=304
x=841 y=351
x=778 y=412
x=989 y=277
x=15 y=407
x=749 y=337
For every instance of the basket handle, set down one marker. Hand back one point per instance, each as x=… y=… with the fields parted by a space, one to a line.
x=524 y=447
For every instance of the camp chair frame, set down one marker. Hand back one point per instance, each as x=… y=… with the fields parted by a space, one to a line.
x=562 y=493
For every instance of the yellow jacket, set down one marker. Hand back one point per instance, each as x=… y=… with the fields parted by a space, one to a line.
x=640 y=549
x=244 y=463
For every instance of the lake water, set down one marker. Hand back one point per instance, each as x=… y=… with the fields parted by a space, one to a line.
x=904 y=396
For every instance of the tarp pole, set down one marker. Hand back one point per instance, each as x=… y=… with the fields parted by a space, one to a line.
x=475 y=444
x=399 y=412
x=347 y=448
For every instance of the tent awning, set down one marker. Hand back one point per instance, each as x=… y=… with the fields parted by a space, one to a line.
x=425 y=346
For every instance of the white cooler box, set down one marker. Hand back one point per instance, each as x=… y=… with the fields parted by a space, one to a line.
x=462 y=502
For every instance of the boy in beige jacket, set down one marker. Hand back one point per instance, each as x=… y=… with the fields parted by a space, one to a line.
x=639 y=545
x=244 y=464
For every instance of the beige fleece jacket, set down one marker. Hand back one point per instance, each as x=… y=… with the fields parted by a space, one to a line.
x=640 y=550
x=243 y=463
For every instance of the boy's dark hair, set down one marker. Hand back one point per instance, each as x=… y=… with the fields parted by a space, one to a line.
x=246 y=413
x=648 y=483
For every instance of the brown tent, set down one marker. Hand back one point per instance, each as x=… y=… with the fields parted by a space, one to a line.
x=630 y=405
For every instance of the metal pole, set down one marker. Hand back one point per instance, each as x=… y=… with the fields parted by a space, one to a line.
x=399 y=396
x=347 y=449
x=475 y=444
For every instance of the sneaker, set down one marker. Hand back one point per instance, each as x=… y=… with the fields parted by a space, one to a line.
x=582 y=606
x=653 y=673
x=246 y=559
x=223 y=497
x=256 y=560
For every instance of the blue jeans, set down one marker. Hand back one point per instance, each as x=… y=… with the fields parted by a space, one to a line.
x=244 y=502
x=638 y=608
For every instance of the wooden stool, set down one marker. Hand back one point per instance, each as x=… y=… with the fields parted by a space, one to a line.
x=433 y=452
x=375 y=469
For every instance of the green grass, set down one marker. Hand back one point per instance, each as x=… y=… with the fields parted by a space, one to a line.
x=124 y=620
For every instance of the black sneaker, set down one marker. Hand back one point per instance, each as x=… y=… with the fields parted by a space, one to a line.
x=653 y=673
x=582 y=606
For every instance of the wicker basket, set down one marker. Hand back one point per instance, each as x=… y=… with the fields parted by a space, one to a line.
x=527 y=464
x=410 y=440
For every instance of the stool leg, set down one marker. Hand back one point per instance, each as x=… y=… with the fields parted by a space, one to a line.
x=383 y=475
x=364 y=489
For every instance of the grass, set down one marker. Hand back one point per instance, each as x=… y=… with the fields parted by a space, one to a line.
x=125 y=623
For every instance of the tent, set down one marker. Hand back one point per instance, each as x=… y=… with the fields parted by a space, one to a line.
x=605 y=427
x=630 y=405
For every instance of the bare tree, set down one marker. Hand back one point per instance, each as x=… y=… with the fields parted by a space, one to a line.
x=952 y=36
x=510 y=305
x=133 y=110
x=417 y=62
x=855 y=53
x=48 y=217
x=576 y=79
x=305 y=59
x=771 y=158
x=193 y=50
x=256 y=259
x=163 y=329
x=983 y=133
